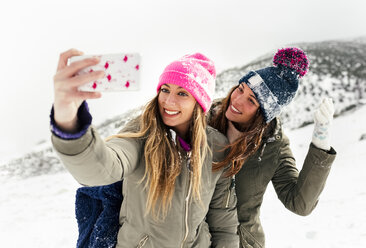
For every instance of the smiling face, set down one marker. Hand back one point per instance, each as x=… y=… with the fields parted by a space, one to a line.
x=243 y=105
x=176 y=107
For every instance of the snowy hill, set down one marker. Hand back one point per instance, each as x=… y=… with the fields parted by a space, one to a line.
x=361 y=39
x=42 y=160
x=337 y=70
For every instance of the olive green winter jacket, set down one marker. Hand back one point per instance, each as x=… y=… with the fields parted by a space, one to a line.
x=188 y=223
x=274 y=161
x=299 y=192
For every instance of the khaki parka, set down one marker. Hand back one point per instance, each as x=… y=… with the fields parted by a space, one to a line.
x=188 y=224
x=274 y=161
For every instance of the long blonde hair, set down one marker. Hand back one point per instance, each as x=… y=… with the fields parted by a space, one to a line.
x=243 y=147
x=163 y=157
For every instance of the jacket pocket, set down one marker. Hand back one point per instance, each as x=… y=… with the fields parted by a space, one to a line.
x=143 y=241
x=247 y=240
x=203 y=236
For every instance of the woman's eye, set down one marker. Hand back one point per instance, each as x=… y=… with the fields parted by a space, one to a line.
x=182 y=94
x=164 y=90
x=240 y=89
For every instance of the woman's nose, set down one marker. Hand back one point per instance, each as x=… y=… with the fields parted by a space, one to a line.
x=238 y=99
x=170 y=99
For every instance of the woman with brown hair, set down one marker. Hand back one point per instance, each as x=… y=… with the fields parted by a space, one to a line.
x=171 y=195
x=260 y=151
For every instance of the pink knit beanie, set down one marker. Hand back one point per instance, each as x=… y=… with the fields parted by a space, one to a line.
x=196 y=73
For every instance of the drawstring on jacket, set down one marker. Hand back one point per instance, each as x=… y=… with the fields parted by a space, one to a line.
x=262 y=151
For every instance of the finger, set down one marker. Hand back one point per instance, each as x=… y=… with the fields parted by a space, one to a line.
x=79 y=80
x=83 y=95
x=71 y=82
x=325 y=112
x=62 y=62
x=319 y=117
x=76 y=66
x=316 y=116
x=327 y=108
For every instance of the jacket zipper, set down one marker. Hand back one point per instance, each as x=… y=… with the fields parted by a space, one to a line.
x=187 y=197
x=143 y=241
x=231 y=186
x=262 y=151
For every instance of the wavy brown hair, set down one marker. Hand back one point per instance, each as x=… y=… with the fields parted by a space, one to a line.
x=163 y=156
x=243 y=147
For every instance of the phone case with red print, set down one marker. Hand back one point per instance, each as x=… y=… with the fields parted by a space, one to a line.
x=122 y=72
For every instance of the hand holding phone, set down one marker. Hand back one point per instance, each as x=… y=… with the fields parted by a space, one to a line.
x=122 y=72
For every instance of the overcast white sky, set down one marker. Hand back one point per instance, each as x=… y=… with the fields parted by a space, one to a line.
x=231 y=33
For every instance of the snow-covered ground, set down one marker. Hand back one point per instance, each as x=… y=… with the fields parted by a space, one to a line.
x=39 y=211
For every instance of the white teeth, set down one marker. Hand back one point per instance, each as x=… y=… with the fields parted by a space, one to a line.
x=171 y=112
x=235 y=110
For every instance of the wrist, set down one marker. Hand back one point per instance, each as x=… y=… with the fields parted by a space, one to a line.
x=321 y=136
x=324 y=147
x=83 y=121
x=68 y=126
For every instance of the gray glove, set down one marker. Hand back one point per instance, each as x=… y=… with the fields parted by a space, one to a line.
x=323 y=118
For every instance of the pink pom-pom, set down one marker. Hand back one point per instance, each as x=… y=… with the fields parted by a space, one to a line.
x=293 y=58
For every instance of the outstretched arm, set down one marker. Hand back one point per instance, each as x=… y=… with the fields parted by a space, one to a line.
x=300 y=192
x=67 y=98
x=88 y=158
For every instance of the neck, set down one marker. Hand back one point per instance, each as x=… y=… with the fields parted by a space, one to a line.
x=182 y=130
x=181 y=134
x=232 y=133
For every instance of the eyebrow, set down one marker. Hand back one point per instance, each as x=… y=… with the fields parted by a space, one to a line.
x=253 y=96
x=255 y=99
x=179 y=87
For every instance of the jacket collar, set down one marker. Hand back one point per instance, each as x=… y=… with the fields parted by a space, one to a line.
x=186 y=147
x=274 y=131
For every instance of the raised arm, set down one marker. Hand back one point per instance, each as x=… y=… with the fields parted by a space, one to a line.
x=300 y=192
x=67 y=98
x=88 y=158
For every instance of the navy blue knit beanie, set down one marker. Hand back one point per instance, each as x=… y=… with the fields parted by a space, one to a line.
x=275 y=86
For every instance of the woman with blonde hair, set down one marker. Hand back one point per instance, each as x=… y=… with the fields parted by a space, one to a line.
x=172 y=197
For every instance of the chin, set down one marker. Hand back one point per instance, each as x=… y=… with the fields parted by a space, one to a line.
x=228 y=115
x=168 y=123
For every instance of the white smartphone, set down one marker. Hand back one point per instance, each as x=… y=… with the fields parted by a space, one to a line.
x=122 y=72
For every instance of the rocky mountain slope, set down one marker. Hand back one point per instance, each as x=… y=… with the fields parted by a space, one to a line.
x=337 y=70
